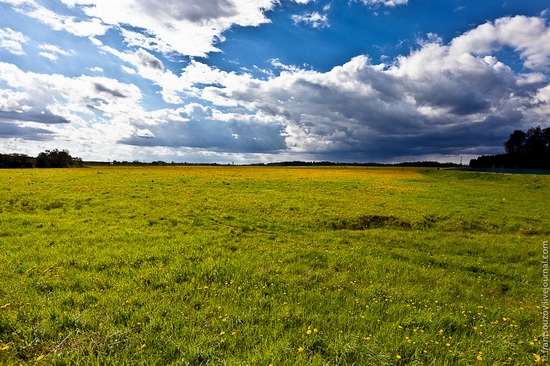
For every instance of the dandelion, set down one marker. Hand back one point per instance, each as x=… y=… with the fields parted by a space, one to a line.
x=39 y=358
x=479 y=358
x=300 y=349
x=315 y=330
x=537 y=358
x=308 y=331
x=5 y=348
x=398 y=357
x=222 y=332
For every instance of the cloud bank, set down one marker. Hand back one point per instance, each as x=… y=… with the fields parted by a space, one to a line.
x=458 y=97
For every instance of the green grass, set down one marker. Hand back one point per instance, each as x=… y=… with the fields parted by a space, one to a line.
x=259 y=266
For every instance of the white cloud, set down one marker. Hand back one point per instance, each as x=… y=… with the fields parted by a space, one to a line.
x=12 y=41
x=177 y=25
x=52 y=52
x=73 y=108
x=529 y=36
x=53 y=49
x=314 y=19
x=384 y=2
x=135 y=39
x=278 y=64
x=49 y=56
x=85 y=28
x=128 y=70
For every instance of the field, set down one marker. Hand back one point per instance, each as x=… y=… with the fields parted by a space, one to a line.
x=271 y=265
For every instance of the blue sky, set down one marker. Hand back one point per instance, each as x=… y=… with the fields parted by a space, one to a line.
x=258 y=81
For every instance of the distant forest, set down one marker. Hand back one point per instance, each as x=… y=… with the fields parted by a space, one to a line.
x=62 y=159
x=47 y=159
x=524 y=150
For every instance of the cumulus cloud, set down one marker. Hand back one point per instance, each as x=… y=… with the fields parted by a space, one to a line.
x=186 y=27
x=82 y=109
x=441 y=98
x=12 y=41
x=434 y=99
x=20 y=107
x=528 y=36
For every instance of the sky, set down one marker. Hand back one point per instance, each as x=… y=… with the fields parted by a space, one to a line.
x=258 y=81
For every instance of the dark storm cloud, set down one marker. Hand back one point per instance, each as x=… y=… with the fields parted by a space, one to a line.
x=148 y=60
x=485 y=137
x=220 y=136
x=459 y=101
x=11 y=130
x=103 y=89
x=45 y=117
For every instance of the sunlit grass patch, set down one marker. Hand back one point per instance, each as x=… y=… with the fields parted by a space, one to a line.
x=257 y=265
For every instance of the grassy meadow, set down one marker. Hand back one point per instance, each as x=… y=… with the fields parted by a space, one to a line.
x=271 y=266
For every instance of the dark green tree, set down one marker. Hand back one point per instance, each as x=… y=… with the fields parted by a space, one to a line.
x=54 y=159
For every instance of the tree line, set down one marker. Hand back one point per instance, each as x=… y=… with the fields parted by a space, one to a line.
x=524 y=150
x=47 y=159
